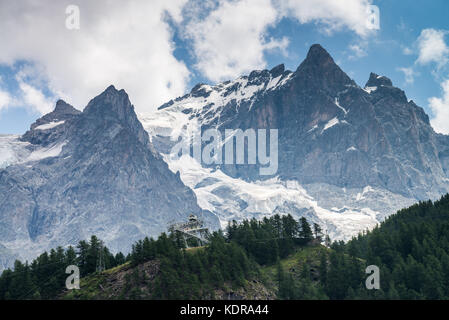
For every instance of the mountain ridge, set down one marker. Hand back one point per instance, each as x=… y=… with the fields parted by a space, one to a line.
x=344 y=150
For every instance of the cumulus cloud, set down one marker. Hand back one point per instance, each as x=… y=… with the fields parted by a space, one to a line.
x=432 y=47
x=334 y=15
x=230 y=36
x=130 y=43
x=135 y=53
x=440 y=110
x=5 y=99
x=34 y=98
x=231 y=40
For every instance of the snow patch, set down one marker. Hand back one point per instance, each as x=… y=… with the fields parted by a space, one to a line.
x=370 y=89
x=330 y=124
x=49 y=125
x=273 y=82
x=313 y=128
x=43 y=153
x=366 y=190
x=208 y=109
x=337 y=103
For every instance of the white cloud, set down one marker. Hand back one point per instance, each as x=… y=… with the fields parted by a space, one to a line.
x=230 y=36
x=35 y=98
x=334 y=15
x=407 y=51
x=409 y=74
x=5 y=99
x=358 y=51
x=130 y=43
x=440 y=110
x=231 y=39
x=135 y=53
x=432 y=47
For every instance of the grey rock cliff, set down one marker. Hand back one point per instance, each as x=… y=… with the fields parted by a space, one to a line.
x=107 y=179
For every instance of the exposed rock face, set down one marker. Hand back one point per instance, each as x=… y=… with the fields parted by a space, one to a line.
x=348 y=156
x=332 y=131
x=94 y=172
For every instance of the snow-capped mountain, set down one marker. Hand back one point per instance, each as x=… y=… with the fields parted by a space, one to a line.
x=348 y=156
x=74 y=174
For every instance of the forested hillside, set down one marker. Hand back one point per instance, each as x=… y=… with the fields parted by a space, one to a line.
x=412 y=250
x=276 y=258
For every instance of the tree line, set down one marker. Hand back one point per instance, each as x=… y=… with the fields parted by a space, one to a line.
x=44 y=277
x=410 y=248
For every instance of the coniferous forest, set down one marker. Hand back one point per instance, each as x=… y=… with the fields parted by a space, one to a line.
x=292 y=259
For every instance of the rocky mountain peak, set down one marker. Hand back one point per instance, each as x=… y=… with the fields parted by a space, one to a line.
x=49 y=127
x=113 y=107
x=382 y=89
x=62 y=112
x=378 y=81
x=277 y=71
x=63 y=108
x=319 y=55
x=110 y=101
x=319 y=70
x=200 y=90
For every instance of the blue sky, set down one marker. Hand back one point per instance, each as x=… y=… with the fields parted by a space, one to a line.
x=157 y=51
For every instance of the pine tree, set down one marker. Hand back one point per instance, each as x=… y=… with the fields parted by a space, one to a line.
x=305 y=233
x=318 y=232
x=83 y=252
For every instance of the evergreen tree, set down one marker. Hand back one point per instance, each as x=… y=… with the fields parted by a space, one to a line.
x=305 y=233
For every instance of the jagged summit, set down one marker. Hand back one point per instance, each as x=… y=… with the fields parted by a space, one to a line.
x=319 y=70
x=61 y=112
x=377 y=81
x=318 y=59
x=111 y=102
x=111 y=88
x=318 y=54
x=381 y=87
x=241 y=89
x=63 y=107
x=113 y=108
x=278 y=70
x=112 y=91
x=50 y=126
